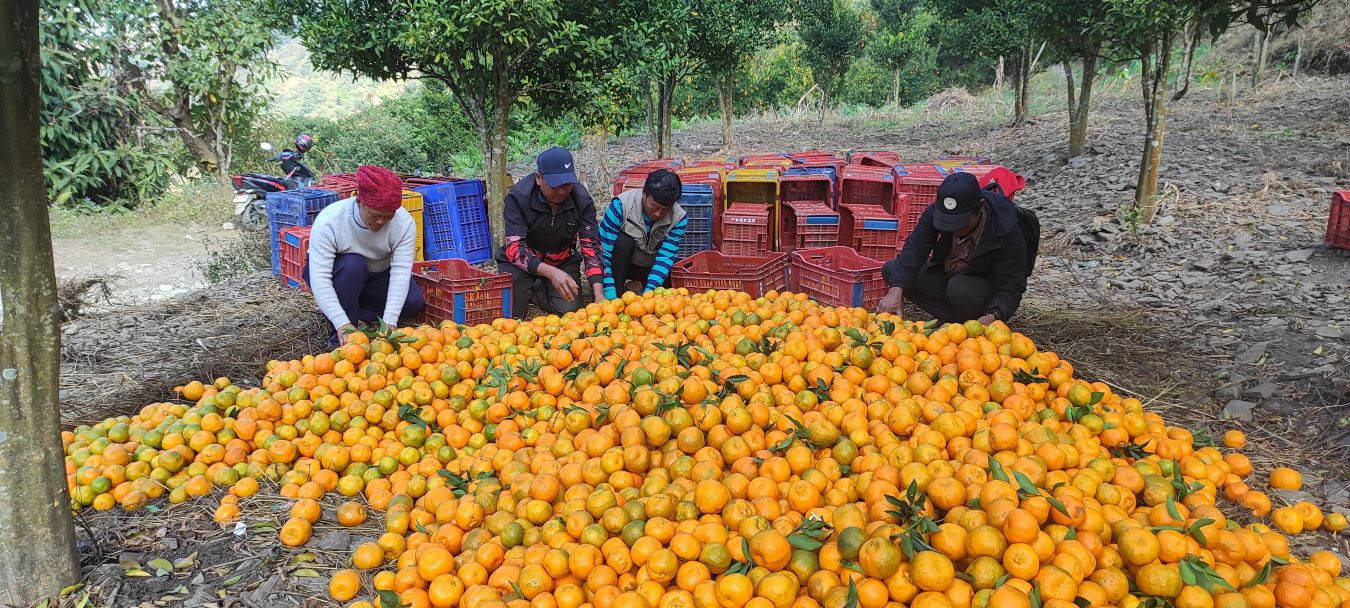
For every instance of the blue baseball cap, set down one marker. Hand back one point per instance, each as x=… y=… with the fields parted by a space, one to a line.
x=555 y=165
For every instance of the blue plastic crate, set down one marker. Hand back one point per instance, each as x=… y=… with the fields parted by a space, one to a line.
x=455 y=222
x=293 y=208
x=828 y=171
x=697 y=202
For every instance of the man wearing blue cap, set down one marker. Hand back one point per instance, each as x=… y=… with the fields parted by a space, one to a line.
x=968 y=257
x=552 y=238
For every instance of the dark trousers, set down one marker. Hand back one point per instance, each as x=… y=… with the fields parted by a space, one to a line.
x=949 y=298
x=363 y=293
x=622 y=268
x=527 y=288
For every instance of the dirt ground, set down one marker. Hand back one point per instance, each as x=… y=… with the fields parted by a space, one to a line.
x=1226 y=312
x=146 y=263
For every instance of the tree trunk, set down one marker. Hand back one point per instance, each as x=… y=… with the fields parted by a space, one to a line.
x=495 y=156
x=1153 y=80
x=667 y=111
x=652 y=136
x=895 y=89
x=37 y=537
x=1262 y=46
x=1072 y=108
x=1298 y=50
x=998 y=75
x=1078 y=117
x=824 y=103
x=726 y=89
x=1020 y=78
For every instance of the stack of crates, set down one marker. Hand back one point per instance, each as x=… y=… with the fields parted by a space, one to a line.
x=712 y=177
x=698 y=201
x=293 y=208
x=807 y=225
x=455 y=221
x=870 y=230
x=780 y=165
x=412 y=203
x=916 y=191
x=294 y=245
x=860 y=185
x=750 y=194
x=723 y=164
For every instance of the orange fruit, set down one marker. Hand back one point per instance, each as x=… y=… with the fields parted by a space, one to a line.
x=351 y=514
x=344 y=585
x=296 y=532
x=932 y=571
x=1285 y=478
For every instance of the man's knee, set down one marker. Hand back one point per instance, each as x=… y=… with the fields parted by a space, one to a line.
x=345 y=264
x=969 y=295
x=414 y=304
x=562 y=307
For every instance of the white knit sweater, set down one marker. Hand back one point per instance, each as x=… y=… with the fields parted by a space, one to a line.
x=337 y=230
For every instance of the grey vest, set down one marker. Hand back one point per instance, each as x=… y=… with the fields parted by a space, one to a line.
x=634 y=225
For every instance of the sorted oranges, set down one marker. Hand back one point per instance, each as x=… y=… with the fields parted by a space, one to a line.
x=714 y=450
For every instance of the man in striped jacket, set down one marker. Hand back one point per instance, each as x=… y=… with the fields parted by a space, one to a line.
x=640 y=235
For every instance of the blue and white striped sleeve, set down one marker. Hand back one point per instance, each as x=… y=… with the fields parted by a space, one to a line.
x=666 y=255
x=610 y=225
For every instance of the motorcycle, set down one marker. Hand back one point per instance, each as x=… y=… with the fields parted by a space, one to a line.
x=251 y=189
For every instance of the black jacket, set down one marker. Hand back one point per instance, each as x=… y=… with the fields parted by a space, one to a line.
x=535 y=233
x=1000 y=256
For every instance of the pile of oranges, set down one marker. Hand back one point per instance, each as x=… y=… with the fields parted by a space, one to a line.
x=715 y=450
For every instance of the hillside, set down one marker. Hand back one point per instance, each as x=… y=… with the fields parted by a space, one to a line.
x=301 y=91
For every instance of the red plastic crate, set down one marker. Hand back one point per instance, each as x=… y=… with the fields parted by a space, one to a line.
x=838 y=276
x=746 y=230
x=807 y=225
x=779 y=165
x=344 y=184
x=867 y=186
x=913 y=196
x=869 y=230
x=293 y=243
x=456 y=291
x=631 y=181
x=1338 y=221
x=920 y=170
x=816 y=188
x=873 y=158
x=755 y=275
x=762 y=157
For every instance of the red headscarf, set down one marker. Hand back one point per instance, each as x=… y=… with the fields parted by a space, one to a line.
x=378 y=188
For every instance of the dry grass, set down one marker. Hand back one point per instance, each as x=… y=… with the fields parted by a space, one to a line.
x=116 y=362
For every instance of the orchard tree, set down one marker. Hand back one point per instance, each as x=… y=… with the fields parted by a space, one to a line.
x=1000 y=28
x=1149 y=31
x=37 y=536
x=902 y=43
x=831 y=33
x=488 y=53
x=725 y=35
x=200 y=64
x=1069 y=28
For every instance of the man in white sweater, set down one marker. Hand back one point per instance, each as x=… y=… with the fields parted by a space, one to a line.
x=361 y=256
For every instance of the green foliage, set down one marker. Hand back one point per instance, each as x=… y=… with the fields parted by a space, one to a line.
x=98 y=150
x=831 y=34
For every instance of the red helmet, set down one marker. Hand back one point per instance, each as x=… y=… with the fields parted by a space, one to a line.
x=303 y=143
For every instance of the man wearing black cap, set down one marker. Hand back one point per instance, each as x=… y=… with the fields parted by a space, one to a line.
x=551 y=237
x=966 y=259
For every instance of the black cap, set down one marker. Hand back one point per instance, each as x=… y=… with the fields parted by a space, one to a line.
x=957 y=198
x=555 y=165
